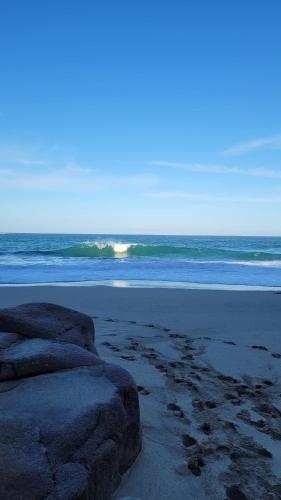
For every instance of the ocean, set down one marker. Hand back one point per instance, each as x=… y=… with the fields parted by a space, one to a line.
x=137 y=260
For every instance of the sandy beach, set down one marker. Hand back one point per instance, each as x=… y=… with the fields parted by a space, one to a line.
x=208 y=369
x=140 y=236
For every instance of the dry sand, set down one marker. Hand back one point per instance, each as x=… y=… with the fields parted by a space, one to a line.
x=208 y=368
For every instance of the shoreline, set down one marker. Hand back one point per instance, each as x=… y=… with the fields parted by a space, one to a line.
x=148 y=284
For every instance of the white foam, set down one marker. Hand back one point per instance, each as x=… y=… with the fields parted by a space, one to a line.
x=260 y=263
x=117 y=247
x=256 y=263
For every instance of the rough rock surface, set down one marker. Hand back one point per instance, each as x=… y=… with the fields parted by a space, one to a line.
x=69 y=421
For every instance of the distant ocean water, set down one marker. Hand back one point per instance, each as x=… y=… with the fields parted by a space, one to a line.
x=171 y=260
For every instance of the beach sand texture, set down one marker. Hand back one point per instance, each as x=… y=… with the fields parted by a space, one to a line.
x=208 y=369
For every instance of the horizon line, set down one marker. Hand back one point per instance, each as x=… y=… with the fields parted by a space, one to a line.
x=209 y=235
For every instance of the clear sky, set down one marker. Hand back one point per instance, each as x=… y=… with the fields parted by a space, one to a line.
x=140 y=116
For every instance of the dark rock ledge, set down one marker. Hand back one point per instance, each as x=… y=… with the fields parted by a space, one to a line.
x=69 y=421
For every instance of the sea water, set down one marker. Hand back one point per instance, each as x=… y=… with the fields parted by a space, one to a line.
x=137 y=259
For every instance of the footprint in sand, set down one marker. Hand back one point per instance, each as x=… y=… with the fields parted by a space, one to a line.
x=128 y=358
x=149 y=355
x=188 y=440
x=234 y=493
x=261 y=347
x=110 y=346
x=267 y=382
x=176 y=364
x=229 y=396
x=211 y=404
x=176 y=409
x=195 y=464
x=206 y=428
x=142 y=390
x=227 y=378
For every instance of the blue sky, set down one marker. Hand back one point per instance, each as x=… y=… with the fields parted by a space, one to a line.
x=140 y=116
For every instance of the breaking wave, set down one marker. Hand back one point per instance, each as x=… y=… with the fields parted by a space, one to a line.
x=112 y=249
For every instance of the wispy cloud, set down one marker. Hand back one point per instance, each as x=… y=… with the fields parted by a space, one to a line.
x=29 y=161
x=14 y=156
x=5 y=171
x=218 y=169
x=273 y=141
x=212 y=198
x=78 y=169
x=72 y=178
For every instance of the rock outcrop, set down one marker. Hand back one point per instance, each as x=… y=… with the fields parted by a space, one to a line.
x=69 y=421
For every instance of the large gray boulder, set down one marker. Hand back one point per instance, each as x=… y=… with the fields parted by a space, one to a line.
x=69 y=421
x=49 y=321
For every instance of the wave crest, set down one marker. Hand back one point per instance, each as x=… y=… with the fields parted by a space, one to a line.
x=115 y=249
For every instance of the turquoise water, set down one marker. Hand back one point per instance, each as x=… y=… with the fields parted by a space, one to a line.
x=48 y=258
